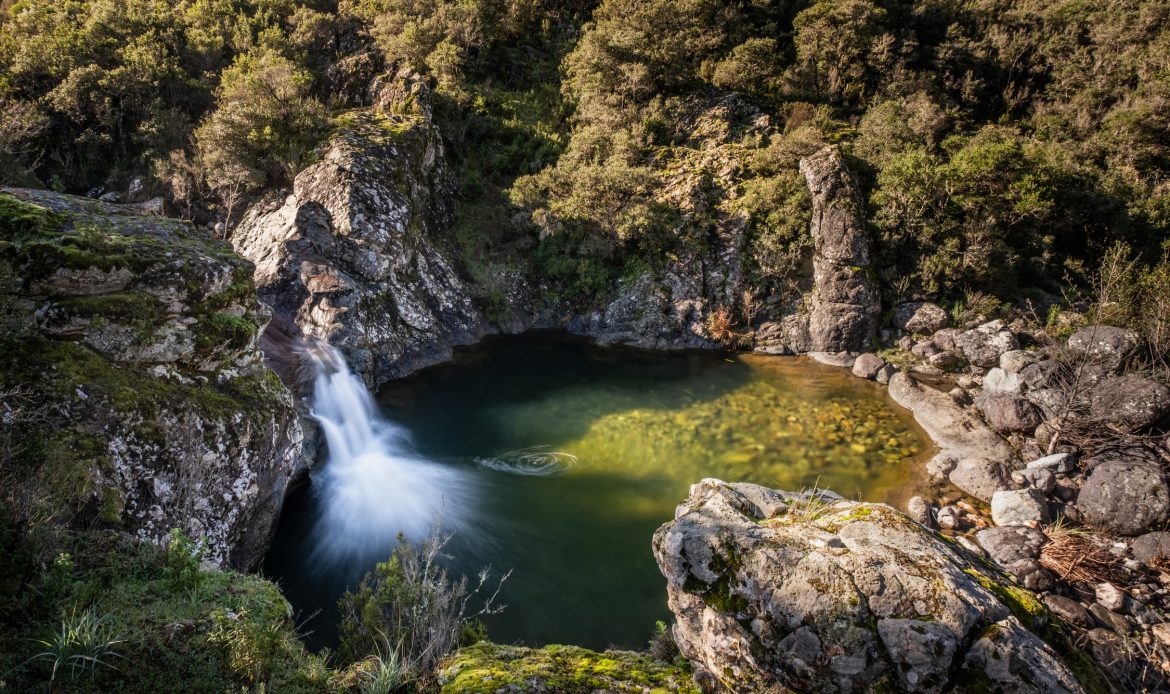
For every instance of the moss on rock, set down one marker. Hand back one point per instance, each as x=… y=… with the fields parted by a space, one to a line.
x=488 y=668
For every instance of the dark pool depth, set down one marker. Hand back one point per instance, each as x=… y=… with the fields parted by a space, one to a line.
x=631 y=431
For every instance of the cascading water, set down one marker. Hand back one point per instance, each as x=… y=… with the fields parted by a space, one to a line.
x=373 y=486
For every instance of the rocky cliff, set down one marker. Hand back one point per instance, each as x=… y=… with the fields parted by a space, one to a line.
x=134 y=394
x=346 y=255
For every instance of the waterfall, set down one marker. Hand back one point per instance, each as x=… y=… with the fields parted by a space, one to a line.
x=372 y=486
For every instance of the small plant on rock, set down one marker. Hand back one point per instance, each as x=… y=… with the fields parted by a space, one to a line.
x=83 y=642
x=662 y=646
x=183 y=558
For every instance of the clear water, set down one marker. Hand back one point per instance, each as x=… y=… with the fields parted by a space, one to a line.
x=564 y=457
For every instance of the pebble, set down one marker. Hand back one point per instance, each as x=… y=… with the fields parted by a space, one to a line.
x=1061 y=463
x=1069 y=610
x=1109 y=619
x=1110 y=597
x=948 y=517
x=918 y=508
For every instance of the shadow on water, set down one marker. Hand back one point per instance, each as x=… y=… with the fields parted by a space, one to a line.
x=635 y=429
x=565 y=382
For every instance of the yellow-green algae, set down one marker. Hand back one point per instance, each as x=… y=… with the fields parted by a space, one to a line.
x=780 y=428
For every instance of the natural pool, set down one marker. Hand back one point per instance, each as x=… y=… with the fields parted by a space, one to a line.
x=567 y=456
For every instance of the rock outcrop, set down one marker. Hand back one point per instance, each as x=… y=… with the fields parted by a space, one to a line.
x=844 y=305
x=132 y=380
x=347 y=256
x=776 y=590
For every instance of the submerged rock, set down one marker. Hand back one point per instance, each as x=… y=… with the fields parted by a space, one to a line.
x=136 y=338
x=841 y=596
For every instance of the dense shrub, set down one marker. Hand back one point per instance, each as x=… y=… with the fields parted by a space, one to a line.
x=999 y=143
x=411 y=612
x=264 y=125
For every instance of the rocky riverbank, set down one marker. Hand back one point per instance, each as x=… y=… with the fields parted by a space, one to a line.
x=1052 y=465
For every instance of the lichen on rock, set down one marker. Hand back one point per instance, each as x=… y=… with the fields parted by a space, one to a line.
x=346 y=256
x=136 y=338
x=812 y=593
x=488 y=668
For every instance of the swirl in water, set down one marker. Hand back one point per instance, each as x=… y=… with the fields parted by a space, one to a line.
x=536 y=461
x=372 y=486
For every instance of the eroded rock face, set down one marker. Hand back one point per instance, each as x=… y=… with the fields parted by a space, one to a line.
x=345 y=256
x=844 y=304
x=959 y=432
x=138 y=338
x=771 y=591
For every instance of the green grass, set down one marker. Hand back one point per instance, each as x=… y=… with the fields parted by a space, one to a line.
x=229 y=630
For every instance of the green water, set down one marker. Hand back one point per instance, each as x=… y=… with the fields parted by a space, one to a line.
x=631 y=431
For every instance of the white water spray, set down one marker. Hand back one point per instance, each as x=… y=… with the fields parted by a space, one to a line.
x=372 y=486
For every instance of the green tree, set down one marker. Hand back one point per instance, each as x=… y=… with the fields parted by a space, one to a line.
x=264 y=126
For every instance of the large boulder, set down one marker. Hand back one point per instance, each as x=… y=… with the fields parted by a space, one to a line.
x=1006 y=412
x=1151 y=547
x=1105 y=344
x=1010 y=544
x=919 y=317
x=135 y=340
x=1131 y=402
x=983 y=345
x=346 y=256
x=1125 y=496
x=775 y=591
x=844 y=305
x=982 y=478
x=868 y=365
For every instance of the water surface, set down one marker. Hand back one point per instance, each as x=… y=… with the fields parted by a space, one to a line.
x=570 y=455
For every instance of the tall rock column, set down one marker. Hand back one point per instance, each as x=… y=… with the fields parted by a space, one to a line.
x=844 y=305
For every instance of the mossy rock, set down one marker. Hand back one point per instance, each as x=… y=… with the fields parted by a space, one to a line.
x=490 y=668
